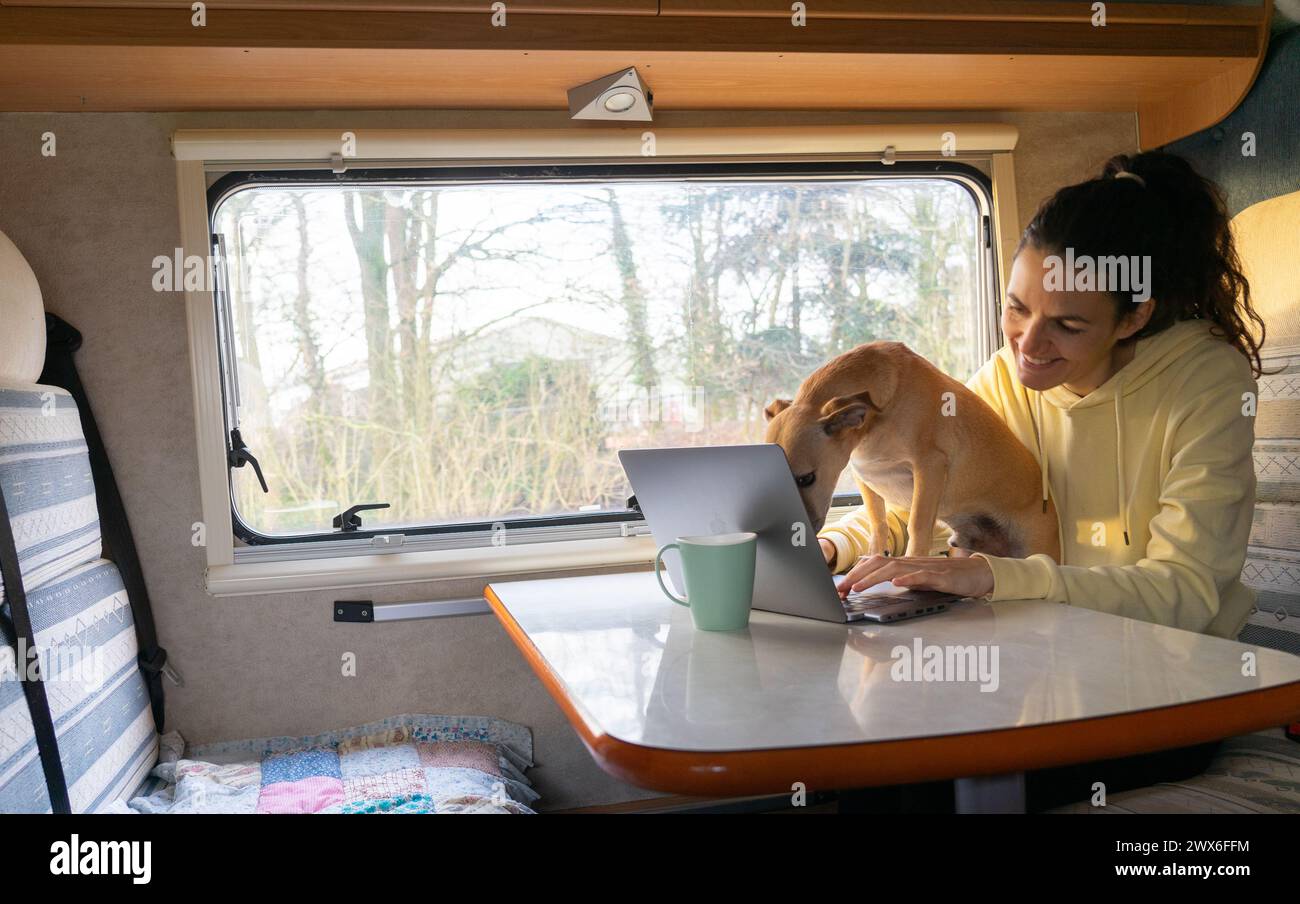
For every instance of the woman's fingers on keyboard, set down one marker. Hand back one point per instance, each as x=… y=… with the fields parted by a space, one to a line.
x=875 y=569
x=864 y=573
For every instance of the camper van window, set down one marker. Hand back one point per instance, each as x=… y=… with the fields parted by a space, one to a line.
x=453 y=351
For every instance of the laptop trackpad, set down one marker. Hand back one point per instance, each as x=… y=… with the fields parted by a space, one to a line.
x=883 y=589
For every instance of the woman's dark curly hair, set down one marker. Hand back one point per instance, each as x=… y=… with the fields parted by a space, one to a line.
x=1178 y=219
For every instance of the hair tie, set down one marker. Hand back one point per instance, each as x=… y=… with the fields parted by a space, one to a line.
x=1125 y=174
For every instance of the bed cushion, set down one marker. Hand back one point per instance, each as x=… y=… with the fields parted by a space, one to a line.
x=1256 y=773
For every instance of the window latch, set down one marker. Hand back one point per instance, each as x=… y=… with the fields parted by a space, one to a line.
x=350 y=520
x=633 y=505
x=238 y=455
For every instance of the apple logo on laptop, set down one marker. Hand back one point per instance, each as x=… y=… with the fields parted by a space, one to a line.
x=717 y=525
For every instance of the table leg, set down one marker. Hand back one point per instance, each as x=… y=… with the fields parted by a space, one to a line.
x=990 y=793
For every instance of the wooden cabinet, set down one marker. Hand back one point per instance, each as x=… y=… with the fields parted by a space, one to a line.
x=483 y=7
x=1179 y=66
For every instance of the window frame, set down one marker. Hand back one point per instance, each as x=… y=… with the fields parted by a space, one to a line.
x=583 y=525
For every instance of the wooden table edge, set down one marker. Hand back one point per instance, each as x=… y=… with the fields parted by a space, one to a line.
x=839 y=766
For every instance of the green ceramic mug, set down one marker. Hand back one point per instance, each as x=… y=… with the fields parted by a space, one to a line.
x=719 y=576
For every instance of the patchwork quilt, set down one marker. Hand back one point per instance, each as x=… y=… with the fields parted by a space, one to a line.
x=406 y=764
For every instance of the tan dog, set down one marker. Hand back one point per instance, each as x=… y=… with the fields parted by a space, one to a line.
x=887 y=412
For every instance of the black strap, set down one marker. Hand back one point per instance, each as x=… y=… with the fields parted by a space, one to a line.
x=19 y=622
x=62 y=340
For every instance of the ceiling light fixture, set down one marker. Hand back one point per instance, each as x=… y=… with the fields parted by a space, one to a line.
x=619 y=97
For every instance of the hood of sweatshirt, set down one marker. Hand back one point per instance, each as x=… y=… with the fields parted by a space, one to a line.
x=1151 y=357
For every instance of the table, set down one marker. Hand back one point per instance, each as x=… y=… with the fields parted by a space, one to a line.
x=1016 y=686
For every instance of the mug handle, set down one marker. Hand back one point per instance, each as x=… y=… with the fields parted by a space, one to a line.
x=659 y=556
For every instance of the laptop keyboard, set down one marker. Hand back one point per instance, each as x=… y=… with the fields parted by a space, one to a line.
x=861 y=601
x=857 y=606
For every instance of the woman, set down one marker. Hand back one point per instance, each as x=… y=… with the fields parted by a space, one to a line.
x=1138 y=400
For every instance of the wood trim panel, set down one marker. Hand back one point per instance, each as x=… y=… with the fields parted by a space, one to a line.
x=840 y=766
x=265 y=28
x=70 y=78
x=478 y=7
x=970 y=11
x=875 y=10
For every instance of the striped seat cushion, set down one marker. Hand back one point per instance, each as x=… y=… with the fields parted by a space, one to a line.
x=45 y=475
x=81 y=617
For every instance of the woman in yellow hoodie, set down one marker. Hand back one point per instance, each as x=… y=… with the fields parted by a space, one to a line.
x=1138 y=400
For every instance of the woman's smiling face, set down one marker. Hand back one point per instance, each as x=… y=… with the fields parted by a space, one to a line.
x=1061 y=337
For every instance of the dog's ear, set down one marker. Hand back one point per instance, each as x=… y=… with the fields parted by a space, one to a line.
x=775 y=408
x=847 y=412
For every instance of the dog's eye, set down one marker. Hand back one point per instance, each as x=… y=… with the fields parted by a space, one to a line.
x=806 y=480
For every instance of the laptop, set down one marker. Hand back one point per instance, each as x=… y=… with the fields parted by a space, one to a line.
x=707 y=490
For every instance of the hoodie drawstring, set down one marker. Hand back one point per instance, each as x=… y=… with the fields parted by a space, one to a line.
x=1038 y=438
x=1121 y=483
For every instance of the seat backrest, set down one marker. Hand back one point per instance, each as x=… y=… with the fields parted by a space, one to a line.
x=80 y=613
x=1268 y=239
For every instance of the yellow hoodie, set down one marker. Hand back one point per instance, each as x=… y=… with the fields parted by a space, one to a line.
x=1152 y=477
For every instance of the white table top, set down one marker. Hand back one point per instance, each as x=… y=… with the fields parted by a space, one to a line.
x=635 y=670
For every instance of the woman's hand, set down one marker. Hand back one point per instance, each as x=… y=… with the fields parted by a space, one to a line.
x=965 y=575
x=828 y=550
